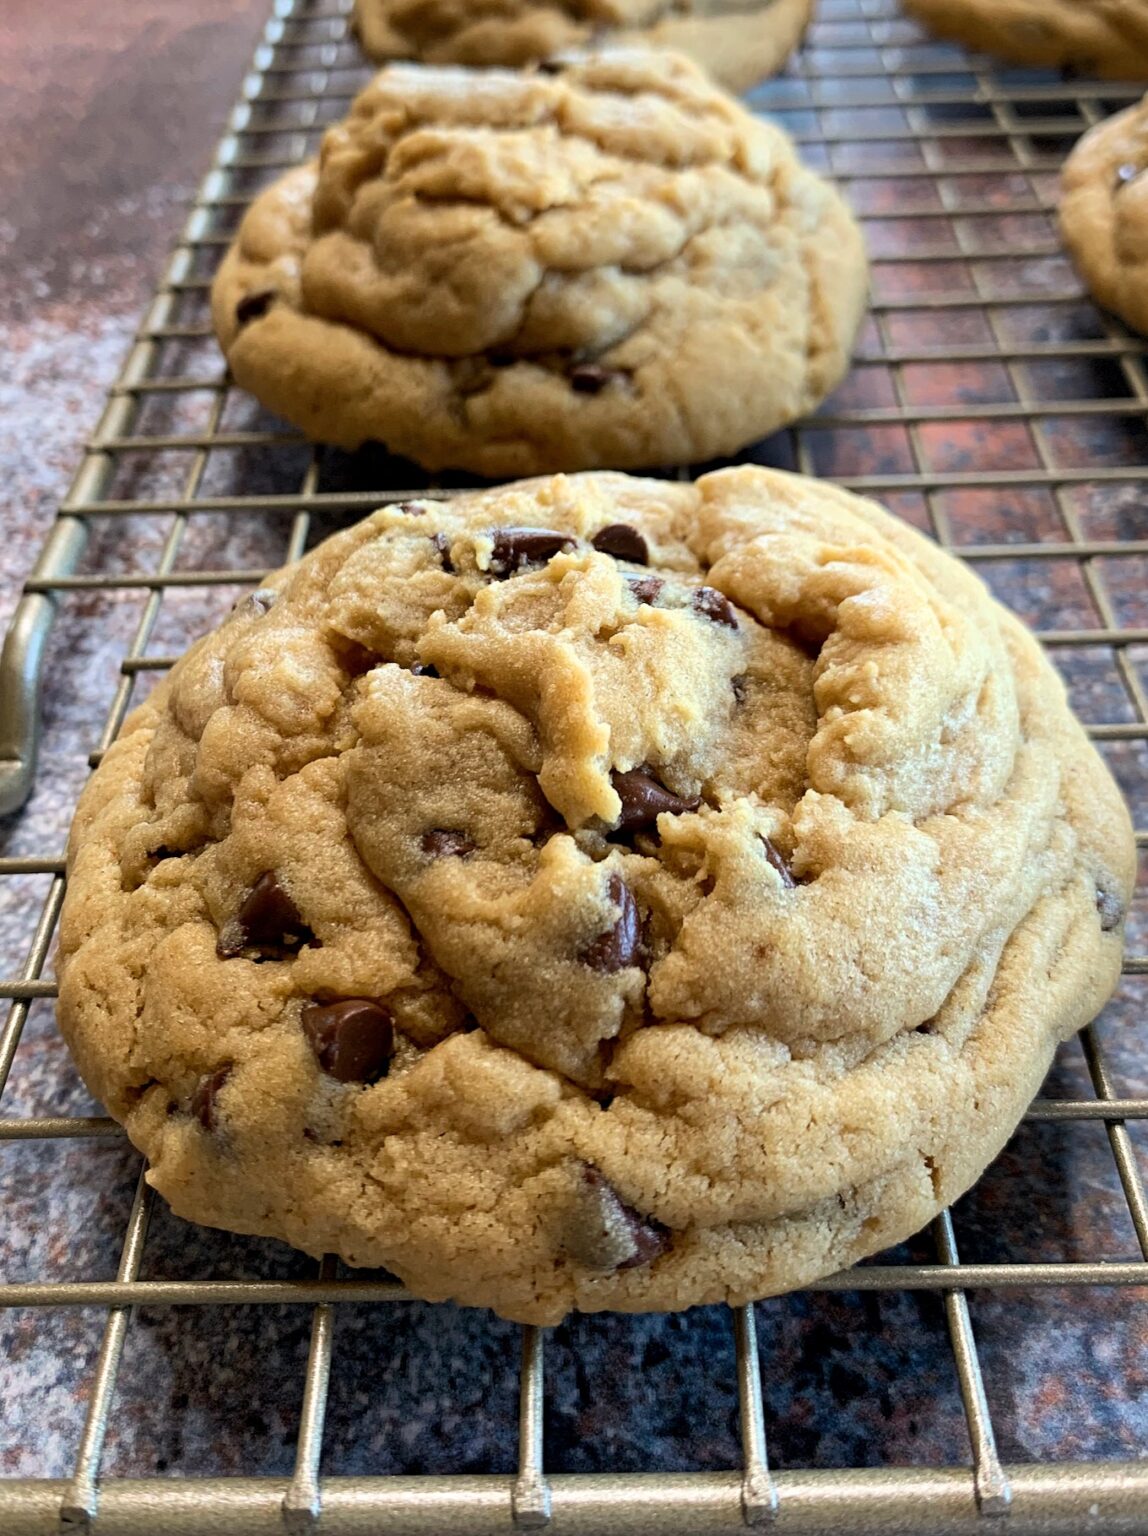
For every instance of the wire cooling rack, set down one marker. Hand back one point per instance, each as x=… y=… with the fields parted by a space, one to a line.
x=990 y=404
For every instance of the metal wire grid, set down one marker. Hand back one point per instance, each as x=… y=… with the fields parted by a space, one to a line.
x=940 y=124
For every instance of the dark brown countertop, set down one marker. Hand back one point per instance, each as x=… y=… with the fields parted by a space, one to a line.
x=108 y=115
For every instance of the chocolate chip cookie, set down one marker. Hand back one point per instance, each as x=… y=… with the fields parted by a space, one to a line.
x=594 y=893
x=1104 y=213
x=1105 y=38
x=738 y=41
x=508 y=272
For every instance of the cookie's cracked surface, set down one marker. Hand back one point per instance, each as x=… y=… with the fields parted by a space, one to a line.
x=1105 y=38
x=738 y=41
x=611 y=265
x=1104 y=213
x=565 y=928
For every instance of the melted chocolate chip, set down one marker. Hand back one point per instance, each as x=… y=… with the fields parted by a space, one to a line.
x=254 y=305
x=644 y=799
x=202 y=1102
x=442 y=544
x=357 y=659
x=646 y=589
x=712 y=604
x=518 y=547
x=1126 y=173
x=409 y=508
x=618 y=947
x=1110 y=907
x=775 y=859
x=591 y=379
x=353 y=1040
x=424 y=669
x=740 y=686
x=268 y=925
x=256 y=603
x=623 y=542
x=443 y=843
x=608 y=1234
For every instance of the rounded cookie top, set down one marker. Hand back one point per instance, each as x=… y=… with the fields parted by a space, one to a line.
x=738 y=44
x=510 y=272
x=1104 y=213
x=1106 y=38
x=594 y=892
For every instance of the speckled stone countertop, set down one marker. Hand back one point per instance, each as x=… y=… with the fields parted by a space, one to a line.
x=109 y=115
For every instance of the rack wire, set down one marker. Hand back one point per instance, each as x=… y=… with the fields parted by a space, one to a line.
x=990 y=404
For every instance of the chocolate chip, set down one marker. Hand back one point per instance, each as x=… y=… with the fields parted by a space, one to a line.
x=424 y=669
x=206 y=1091
x=256 y=603
x=355 y=659
x=268 y=925
x=442 y=544
x=354 y=1039
x=591 y=379
x=1110 y=907
x=646 y=589
x=774 y=858
x=254 y=305
x=1126 y=173
x=1075 y=69
x=623 y=542
x=712 y=604
x=606 y=1233
x=740 y=686
x=409 y=508
x=618 y=947
x=518 y=547
x=644 y=799
x=442 y=843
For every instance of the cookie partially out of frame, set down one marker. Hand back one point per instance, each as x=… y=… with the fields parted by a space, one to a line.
x=594 y=893
x=611 y=265
x=1104 y=38
x=738 y=41
x=1104 y=213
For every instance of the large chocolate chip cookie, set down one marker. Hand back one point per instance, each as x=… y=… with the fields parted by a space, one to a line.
x=595 y=892
x=613 y=265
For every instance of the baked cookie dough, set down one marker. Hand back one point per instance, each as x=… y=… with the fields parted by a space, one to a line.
x=1104 y=38
x=1104 y=213
x=594 y=893
x=738 y=41
x=612 y=265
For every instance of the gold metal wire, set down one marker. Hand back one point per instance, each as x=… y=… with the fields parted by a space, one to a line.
x=958 y=121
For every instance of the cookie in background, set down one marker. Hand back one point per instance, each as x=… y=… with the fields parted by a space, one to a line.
x=1107 y=39
x=739 y=43
x=612 y=265
x=1104 y=213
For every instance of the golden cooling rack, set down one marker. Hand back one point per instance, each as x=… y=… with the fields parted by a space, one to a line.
x=991 y=405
